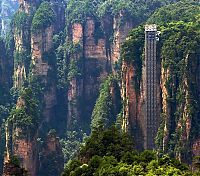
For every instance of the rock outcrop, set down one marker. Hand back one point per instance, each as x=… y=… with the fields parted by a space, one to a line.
x=21 y=141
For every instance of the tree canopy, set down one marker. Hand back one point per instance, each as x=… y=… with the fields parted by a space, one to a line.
x=111 y=152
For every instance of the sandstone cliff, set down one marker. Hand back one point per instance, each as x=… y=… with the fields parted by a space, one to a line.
x=98 y=55
x=21 y=133
x=33 y=49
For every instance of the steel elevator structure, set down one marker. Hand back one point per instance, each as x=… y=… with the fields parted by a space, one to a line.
x=151 y=92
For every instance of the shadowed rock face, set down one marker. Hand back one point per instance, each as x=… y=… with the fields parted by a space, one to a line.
x=51 y=160
x=187 y=125
x=3 y=64
x=12 y=169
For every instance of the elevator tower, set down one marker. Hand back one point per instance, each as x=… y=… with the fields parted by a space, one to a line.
x=151 y=86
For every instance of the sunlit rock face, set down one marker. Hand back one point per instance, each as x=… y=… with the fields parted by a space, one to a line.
x=7 y=10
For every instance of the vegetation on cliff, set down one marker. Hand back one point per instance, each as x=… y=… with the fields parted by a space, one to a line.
x=107 y=105
x=78 y=11
x=26 y=114
x=132 y=53
x=21 y=20
x=43 y=17
x=186 y=11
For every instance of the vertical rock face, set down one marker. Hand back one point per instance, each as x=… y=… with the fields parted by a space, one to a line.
x=75 y=89
x=51 y=160
x=5 y=67
x=133 y=115
x=98 y=55
x=7 y=10
x=20 y=141
x=184 y=127
x=120 y=33
x=41 y=42
x=22 y=41
x=77 y=33
x=34 y=48
x=95 y=65
x=27 y=151
x=133 y=88
x=94 y=47
x=43 y=59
